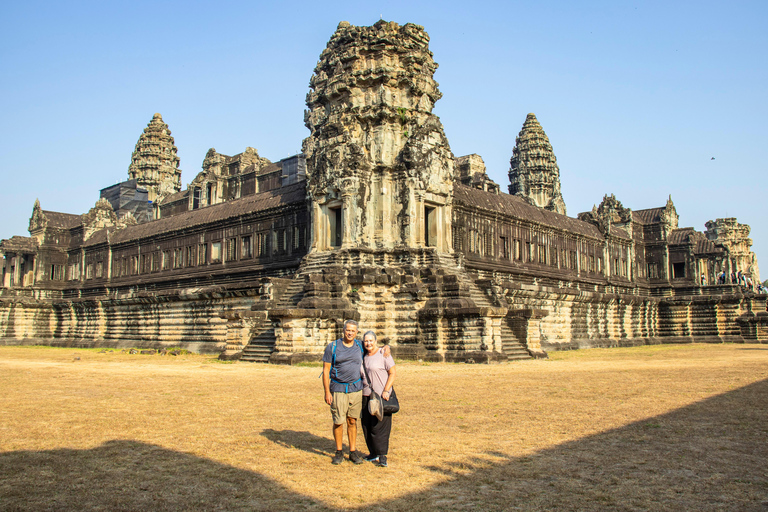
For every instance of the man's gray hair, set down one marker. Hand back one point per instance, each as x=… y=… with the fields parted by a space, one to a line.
x=350 y=322
x=371 y=333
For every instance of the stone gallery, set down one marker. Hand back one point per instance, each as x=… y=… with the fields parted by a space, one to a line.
x=376 y=220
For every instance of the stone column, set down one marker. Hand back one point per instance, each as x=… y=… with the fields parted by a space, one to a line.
x=349 y=213
x=3 y=283
x=417 y=218
x=14 y=276
x=387 y=196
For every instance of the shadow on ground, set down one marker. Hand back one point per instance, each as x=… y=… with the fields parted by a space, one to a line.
x=301 y=440
x=708 y=456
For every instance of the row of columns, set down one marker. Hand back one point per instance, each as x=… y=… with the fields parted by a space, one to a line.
x=18 y=269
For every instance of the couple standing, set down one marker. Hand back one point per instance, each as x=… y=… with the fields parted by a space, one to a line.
x=347 y=391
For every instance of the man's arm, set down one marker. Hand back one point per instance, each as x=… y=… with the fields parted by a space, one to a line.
x=386 y=350
x=327 y=383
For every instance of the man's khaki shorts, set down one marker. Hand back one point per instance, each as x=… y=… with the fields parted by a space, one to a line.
x=346 y=405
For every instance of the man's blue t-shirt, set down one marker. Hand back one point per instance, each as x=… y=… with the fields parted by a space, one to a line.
x=348 y=366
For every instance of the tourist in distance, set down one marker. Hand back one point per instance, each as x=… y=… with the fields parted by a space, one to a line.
x=380 y=369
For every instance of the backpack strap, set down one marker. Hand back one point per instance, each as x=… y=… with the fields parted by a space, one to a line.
x=333 y=366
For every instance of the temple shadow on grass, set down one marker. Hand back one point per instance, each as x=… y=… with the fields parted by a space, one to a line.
x=301 y=440
x=130 y=475
x=707 y=456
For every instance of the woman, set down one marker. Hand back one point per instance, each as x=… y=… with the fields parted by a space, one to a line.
x=380 y=371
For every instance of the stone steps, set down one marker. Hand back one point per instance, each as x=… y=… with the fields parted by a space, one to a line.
x=513 y=349
x=312 y=264
x=260 y=347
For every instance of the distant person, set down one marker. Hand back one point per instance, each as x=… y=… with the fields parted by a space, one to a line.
x=380 y=368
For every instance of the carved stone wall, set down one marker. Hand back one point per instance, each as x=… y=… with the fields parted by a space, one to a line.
x=734 y=236
x=196 y=321
x=379 y=167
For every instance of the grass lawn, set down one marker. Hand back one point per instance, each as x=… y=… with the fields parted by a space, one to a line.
x=670 y=427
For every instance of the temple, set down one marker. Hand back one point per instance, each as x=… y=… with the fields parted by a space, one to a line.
x=375 y=220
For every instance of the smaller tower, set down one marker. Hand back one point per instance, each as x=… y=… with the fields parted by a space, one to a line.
x=533 y=174
x=154 y=163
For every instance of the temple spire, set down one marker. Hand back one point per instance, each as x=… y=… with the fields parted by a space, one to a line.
x=534 y=174
x=154 y=163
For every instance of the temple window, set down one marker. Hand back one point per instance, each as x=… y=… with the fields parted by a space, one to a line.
x=504 y=248
x=202 y=254
x=335 y=218
x=247 y=247
x=430 y=226
x=196 y=198
x=678 y=270
x=231 y=253
x=57 y=272
x=216 y=252
x=99 y=269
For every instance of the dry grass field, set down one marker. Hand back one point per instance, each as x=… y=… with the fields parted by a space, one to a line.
x=648 y=428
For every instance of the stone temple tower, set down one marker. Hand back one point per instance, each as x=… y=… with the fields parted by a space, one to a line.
x=379 y=167
x=534 y=174
x=154 y=163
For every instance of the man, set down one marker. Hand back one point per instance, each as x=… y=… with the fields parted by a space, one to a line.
x=343 y=385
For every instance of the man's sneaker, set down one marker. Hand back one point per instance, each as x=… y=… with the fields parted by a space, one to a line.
x=372 y=458
x=338 y=458
x=356 y=457
x=382 y=462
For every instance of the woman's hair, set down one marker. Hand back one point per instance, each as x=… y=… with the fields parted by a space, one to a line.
x=371 y=333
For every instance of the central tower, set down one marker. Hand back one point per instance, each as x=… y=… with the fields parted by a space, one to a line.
x=379 y=167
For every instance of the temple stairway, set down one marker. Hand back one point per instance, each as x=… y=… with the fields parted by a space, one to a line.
x=262 y=342
x=394 y=317
x=513 y=349
x=261 y=346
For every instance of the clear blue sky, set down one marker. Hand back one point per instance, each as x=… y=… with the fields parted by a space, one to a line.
x=636 y=97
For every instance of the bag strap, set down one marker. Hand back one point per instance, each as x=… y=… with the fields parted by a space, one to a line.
x=368 y=377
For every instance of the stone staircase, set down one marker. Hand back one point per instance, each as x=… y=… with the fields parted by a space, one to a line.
x=260 y=347
x=513 y=349
x=262 y=343
x=313 y=263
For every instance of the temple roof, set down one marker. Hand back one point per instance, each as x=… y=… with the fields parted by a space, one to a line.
x=518 y=208
x=689 y=236
x=62 y=220
x=176 y=196
x=290 y=194
x=24 y=244
x=647 y=216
